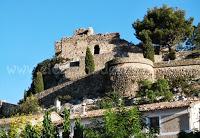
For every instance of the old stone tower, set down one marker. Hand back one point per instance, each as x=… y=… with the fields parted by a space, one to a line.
x=104 y=47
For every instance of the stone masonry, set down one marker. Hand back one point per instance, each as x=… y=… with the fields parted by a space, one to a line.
x=104 y=47
x=119 y=66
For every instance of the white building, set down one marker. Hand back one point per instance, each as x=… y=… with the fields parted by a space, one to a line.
x=170 y=117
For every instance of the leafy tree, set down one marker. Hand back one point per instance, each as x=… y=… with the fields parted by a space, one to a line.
x=148 y=49
x=31 y=105
x=122 y=123
x=38 y=83
x=31 y=132
x=89 y=62
x=117 y=123
x=166 y=26
x=92 y=133
x=66 y=123
x=162 y=88
x=78 y=129
x=145 y=85
x=49 y=130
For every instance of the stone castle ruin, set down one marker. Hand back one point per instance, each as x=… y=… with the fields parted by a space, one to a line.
x=104 y=47
x=119 y=66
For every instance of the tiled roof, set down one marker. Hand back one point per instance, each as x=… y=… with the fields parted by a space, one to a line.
x=34 y=119
x=142 y=108
x=167 y=105
x=89 y=114
x=100 y=112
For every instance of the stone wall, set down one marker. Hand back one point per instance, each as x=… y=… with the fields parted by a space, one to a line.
x=73 y=73
x=101 y=60
x=90 y=86
x=175 y=69
x=175 y=123
x=120 y=74
x=125 y=73
x=6 y=109
x=75 y=47
x=182 y=55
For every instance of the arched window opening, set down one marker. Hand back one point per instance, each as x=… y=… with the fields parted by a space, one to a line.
x=96 y=49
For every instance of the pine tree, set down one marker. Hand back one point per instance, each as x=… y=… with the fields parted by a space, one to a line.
x=66 y=124
x=38 y=83
x=49 y=130
x=78 y=129
x=166 y=26
x=89 y=62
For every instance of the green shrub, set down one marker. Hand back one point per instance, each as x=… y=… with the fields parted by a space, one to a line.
x=158 y=91
x=112 y=99
x=31 y=105
x=89 y=62
x=92 y=133
x=3 y=133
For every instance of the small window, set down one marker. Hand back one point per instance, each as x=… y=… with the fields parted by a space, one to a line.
x=96 y=49
x=154 y=123
x=74 y=64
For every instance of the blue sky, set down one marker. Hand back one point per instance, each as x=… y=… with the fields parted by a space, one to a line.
x=29 y=28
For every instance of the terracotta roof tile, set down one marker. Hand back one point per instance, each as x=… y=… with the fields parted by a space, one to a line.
x=142 y=108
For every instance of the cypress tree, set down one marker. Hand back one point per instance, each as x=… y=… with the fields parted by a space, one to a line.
x=49 y=130
x=66 y=123
x=38 y=83
x=78 y=129
x=148 y=49
x=30 y=132
x=89 y=62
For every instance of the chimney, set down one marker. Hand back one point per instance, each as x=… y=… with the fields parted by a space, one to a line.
x=58 y=104
x=84 y=108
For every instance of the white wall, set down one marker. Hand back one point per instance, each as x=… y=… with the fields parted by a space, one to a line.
x=194 y=117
